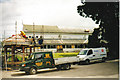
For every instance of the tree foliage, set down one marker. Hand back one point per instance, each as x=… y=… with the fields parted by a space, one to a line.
x=107 y=14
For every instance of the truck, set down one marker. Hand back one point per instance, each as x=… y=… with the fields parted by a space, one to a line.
x=42 y=60
x=88 y=55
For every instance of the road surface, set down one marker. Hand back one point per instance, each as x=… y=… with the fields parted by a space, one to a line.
x=108 y=69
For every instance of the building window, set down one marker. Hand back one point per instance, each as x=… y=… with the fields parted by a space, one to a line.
x=76 y=46
x=53 y=46
x=48 y=46
x=63 y=46
x=42 y=47
x=45 y=47
x=86 y=45
x=29 y=36
x=68 y=46
x=81 y=46
x=36 y=36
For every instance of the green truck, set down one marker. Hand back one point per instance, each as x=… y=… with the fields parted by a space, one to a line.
x=42 y=60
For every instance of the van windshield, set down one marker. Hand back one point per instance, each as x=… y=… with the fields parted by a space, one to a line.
x=31 y=57
x=83 y=52
x=38 y=56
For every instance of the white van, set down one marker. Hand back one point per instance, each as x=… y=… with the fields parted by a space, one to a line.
x=92 y=54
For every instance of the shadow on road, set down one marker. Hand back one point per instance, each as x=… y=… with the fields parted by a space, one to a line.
x=98 y=62
x=83 y=63
x=39 y=72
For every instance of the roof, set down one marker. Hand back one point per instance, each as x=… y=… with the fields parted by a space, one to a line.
x=53 y=29
x=40 y=28
x=16 y=40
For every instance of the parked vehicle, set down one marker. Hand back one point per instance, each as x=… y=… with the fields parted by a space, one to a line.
x=92 y=54
x=41 y=60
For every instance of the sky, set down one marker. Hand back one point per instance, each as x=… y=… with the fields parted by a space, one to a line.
x=61 y=13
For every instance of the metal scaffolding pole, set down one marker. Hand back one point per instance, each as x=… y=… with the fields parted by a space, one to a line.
x=16 y=31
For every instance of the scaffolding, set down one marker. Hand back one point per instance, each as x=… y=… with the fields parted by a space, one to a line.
x=16 y=44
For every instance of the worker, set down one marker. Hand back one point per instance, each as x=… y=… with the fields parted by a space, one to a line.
x=33 y=40
x=40 y=40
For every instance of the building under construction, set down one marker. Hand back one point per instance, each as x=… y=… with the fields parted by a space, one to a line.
x=54 y=36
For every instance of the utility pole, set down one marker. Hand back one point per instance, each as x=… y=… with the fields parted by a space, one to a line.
x=43 y=35
x=33 y=30
x=43 y=31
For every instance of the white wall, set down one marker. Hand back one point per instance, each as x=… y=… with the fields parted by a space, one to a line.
x=55 y=35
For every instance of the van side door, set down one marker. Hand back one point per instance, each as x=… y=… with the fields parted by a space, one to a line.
x=90 y=55
x=39 y=61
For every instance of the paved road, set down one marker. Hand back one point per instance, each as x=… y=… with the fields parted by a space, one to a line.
x=108 y=69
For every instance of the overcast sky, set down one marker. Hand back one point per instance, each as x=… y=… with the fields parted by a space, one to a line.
x=62 y=13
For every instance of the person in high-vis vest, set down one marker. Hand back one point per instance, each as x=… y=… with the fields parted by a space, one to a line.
x=59 y=48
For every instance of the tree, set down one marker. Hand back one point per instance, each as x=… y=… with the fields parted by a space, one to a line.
x=93 y=40
x=107 y=14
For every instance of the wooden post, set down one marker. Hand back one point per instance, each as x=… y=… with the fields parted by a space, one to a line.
x=30 y=50
x=5 y=56
x=34 y=48
x=23 y=53
x=12 y=57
